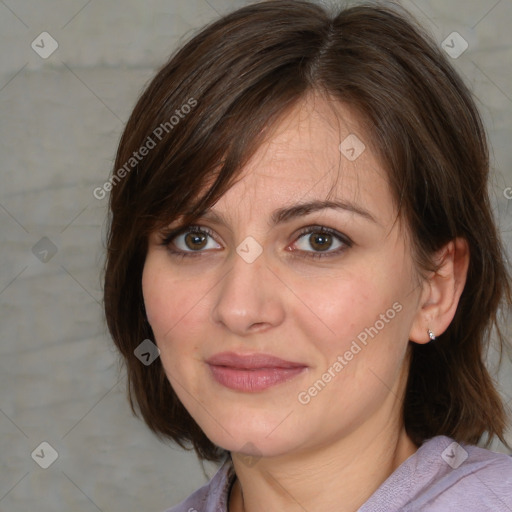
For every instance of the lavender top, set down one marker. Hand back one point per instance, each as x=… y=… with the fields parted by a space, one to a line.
x=441 y=476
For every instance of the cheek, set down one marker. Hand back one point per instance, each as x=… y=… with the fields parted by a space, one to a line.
x=365 y=306
x=164 y=305
x=336 y=307
x=175 y=308
x=155 y=290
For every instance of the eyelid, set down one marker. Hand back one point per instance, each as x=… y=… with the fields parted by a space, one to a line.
x=169 y=234
x=314 y=228
x=308 y=230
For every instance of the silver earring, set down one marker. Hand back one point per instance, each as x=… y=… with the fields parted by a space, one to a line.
x=431 y=335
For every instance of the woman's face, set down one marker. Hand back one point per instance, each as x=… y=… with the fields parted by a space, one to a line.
x=331 y=291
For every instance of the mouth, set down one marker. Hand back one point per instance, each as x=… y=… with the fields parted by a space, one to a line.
x=252 y=372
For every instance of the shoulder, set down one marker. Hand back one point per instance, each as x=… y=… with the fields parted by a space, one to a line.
x=444 y=475
x=461 y=475
x=212 y=497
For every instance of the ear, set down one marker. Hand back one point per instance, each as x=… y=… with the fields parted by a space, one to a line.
x=441 y=291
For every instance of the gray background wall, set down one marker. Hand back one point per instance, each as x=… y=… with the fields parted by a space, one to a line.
x=61 y=118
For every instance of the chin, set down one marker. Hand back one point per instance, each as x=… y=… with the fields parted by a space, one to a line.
x=256 y=438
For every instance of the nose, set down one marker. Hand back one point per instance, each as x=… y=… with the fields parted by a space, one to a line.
x=249 y=298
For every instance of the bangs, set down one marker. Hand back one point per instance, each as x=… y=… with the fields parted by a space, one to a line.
x=208 y=172
x=239 y=90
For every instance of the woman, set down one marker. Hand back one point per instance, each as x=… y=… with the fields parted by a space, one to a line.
x=300 y=223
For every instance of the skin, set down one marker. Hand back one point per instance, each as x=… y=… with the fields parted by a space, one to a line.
x=305 y=309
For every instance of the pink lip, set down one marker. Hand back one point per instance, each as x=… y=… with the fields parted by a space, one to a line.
x=253 y=372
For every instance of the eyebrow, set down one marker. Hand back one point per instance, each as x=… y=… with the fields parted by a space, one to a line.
x=288 y=213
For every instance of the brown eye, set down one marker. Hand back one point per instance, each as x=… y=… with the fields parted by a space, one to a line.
x=196 y=241
x=317 y=241
x=320 y=241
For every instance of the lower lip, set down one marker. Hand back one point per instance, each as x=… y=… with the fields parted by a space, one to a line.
x=253 y=380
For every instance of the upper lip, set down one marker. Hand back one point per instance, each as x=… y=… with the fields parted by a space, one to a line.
x=251 y=361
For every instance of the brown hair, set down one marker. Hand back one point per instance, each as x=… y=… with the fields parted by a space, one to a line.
x=239 y=75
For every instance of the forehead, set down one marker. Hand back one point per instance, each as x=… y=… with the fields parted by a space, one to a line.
x=318 y=150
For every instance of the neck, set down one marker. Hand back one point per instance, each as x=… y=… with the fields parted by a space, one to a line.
x=337 y=477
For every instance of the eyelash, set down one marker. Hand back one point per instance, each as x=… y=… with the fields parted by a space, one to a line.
x=168 y=236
